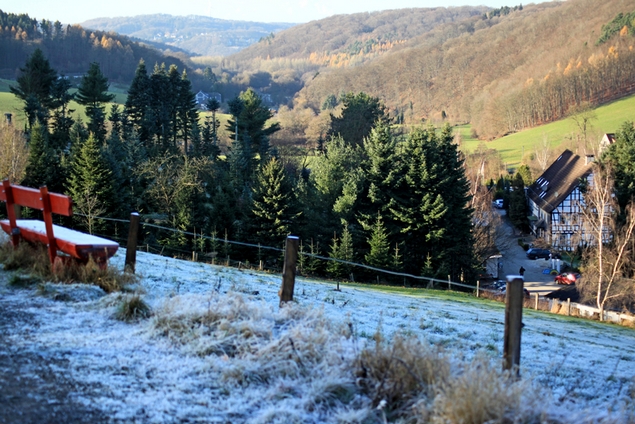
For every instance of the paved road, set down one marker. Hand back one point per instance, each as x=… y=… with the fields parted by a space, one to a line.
x=514 y=256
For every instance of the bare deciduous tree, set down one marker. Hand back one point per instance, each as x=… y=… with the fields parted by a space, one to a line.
x=89 y=207
x=488 y=227
x=582 y=115
x=608 y=260
x=15 y=154
x=543 y=151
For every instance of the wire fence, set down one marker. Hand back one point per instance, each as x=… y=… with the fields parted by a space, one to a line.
x=213 y=257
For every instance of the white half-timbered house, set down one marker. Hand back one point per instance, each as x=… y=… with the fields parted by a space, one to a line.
x=555 y=201
x=202 y=97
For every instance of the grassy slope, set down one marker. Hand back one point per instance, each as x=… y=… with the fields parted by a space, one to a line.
x=610 y=119
x=11 y=104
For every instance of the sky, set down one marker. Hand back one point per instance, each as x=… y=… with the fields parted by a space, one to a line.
x=293 y=11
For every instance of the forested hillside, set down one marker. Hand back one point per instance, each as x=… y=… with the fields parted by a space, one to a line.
x=198 y=34
x=502 y=74
x=343 y=40
x=70 y=49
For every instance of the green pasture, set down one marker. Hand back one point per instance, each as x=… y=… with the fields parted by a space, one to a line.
x=11 y=104
x=512 y=147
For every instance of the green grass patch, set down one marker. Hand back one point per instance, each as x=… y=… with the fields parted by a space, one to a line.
x=512 y=147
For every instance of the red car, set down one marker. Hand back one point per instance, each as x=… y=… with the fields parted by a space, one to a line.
x=567 y=278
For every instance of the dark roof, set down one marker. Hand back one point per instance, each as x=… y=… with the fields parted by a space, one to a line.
x=558 y=181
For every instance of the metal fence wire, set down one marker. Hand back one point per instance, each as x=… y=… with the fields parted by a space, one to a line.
x=162 y=250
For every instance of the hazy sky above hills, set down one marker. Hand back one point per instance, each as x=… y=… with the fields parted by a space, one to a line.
x=295 y=11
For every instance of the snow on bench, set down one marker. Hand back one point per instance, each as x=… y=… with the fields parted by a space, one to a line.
x=78 y=245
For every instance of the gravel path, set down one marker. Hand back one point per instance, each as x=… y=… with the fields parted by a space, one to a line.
x=35 y=384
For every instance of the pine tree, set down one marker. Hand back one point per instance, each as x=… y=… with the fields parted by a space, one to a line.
x=93 y=93
x=90 y=185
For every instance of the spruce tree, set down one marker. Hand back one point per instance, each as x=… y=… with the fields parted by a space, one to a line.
x=248 y=126
x=380 y=254
x=273 y=205
x=429 y=210
x=43 y=167
x=137 y=107
x=90 y=185
x=34 y=87
x=187 y=113
x=378 y=167
x=93 y=93
x=62 y=121
x=343 y=250
x=360 y=114
x=621 y=156
x=517 y=203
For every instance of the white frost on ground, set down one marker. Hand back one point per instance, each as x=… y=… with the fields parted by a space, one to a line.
x=156 y=371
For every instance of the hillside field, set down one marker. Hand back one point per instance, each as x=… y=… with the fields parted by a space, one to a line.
x=511 y=147
x=218 y=348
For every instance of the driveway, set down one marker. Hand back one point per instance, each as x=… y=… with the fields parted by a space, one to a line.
x=514 y=256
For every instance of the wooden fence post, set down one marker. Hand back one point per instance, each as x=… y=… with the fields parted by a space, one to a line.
x=289 y=268
x=536 y=296
x=131 y=247
x=569 y=306
x=513 y=323
x=478 y=287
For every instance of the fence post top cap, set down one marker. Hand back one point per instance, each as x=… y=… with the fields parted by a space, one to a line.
x=511 y=278
x=293 y=237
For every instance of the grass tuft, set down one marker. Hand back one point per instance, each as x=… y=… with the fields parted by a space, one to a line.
x=34 y=261
x=23 y=281
x=397 y=376
x=133 y=308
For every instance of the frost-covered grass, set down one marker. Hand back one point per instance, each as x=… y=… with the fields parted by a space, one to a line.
x=216 y=347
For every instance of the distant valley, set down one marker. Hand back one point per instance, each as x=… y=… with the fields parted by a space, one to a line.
x=199 y=35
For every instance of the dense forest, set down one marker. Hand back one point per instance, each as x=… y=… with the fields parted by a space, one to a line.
x=71 y=49
x=501 y=74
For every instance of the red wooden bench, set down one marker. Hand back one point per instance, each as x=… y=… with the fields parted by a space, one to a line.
x=78 y=245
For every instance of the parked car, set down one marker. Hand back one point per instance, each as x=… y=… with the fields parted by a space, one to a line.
x=535 y=253
x=498 y=203
x=567 y=278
